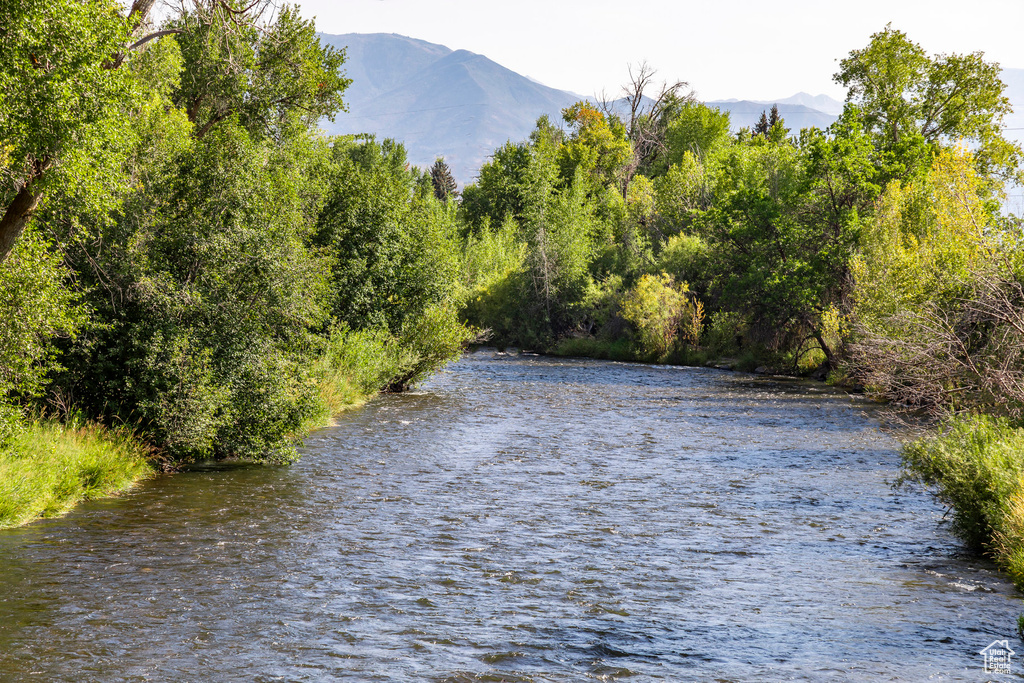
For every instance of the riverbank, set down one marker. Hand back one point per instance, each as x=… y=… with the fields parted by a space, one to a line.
x=742 y=360
x=974 y=465
x=48 y=467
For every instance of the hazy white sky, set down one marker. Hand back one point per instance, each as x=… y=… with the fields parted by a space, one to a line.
x=732 y=48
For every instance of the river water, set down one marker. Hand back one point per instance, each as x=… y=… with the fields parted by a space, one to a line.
x=522 y=519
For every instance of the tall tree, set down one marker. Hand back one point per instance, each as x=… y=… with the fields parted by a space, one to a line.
x=442 y=180
x=652 y=107
x=67 y=96
x=902 y=94
x=64 y=101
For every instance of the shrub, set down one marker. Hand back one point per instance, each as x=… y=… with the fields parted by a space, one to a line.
x=433 y=340
x=35 y=306
x=658 y=308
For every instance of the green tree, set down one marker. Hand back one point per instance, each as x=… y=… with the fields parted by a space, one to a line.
x=64 y=108
x=515 y=182
x=699 y=130
x=36 y=305
x=442 y=181
x=939 y=301
x=237 y=63
x=597 y=145
x=902 y=94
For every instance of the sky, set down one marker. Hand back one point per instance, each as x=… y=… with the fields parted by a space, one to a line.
x=730 y=49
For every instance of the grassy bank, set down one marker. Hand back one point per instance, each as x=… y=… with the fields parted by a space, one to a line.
x=975 y=466
x=48 y=467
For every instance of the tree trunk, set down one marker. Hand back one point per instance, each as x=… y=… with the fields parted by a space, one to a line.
x=17 y=216
x=829 y=354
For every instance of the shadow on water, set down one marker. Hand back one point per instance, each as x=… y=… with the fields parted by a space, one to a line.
x=521 y=519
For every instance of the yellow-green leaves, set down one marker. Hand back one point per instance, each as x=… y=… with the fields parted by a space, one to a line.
x=660 y=310
x=922 y=242
x=596 y=146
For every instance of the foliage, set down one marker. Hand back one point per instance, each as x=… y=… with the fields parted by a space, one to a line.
x=938 y=317
x=902 y=94
x=265 y=74
x=208 y=300
x=699 y=130
x=36 y=306
x=659 y=310
x=442 y=181
x=396 y=253
x=358 y=363
x=687 y=258
x=597 y=147
x=494 y=261
x=974 y=464
x=515 y=183
x=63 y=110
x=432 y=339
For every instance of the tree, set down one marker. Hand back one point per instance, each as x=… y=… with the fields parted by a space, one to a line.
x=939 y=298
x=766 y=125
x=597 y=145
x=63 y=100
x=255 y=62
x=515 y=182
x=35 y=306
x=68 y=98
x=441 y=178
x=696 y=129
x=901 y=93
x=648 y=118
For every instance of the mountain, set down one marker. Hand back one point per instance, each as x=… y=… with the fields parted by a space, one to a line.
x=745 y=113
x=439 y=102
x=822 y=103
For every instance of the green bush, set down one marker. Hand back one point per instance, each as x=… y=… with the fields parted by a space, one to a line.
x=35 y=306
x=433 y=339
x=686 y=258
x=660 y=311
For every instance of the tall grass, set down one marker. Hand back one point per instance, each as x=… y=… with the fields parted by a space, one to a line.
x=355 y=365
x=48 y=467
x=976 y=467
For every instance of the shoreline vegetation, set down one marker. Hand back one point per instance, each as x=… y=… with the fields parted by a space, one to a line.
x=182 y=250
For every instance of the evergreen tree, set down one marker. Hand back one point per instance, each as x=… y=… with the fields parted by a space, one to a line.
x=443 y=181
x=763 y=126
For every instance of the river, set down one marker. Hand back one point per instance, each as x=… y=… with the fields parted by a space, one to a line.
x=522 y=519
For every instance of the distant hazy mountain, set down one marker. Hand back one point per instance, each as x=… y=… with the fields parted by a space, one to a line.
x=820 y=103
x=462 y=105
x=745 y=113
x=439 y=102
